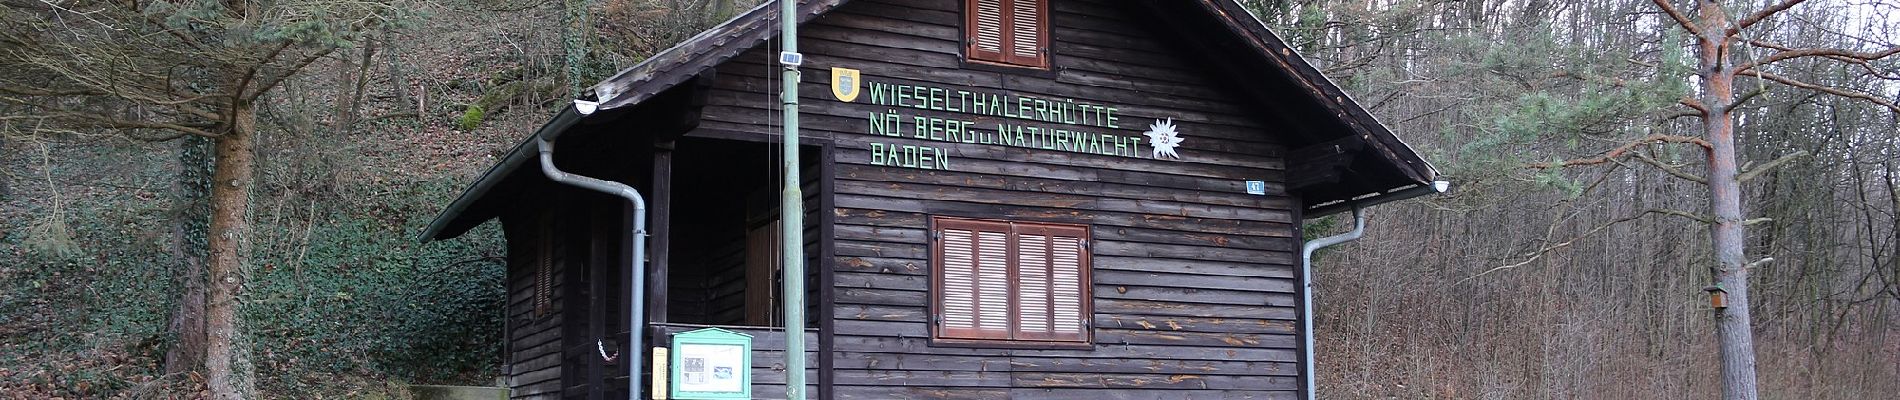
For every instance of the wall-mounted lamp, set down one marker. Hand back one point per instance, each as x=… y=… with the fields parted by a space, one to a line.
x=1718 y=298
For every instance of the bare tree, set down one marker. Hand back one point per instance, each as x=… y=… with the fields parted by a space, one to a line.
x=161 y=70
x=1715 y=37
x=1495 y=85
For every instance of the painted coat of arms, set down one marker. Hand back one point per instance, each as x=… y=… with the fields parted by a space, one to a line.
x=845 y=83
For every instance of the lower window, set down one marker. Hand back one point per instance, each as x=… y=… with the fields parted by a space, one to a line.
x=1004 y=283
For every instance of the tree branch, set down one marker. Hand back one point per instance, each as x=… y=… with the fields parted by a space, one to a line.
x=1669 y=169
x=181 y=104
x=1682 y=114
x=181 y=36
x=1771 y=165
x=88 y=120
x=250 y=73
x=1685 y=214
x=168 y=135
x=1848 y=93
x=288 y=72
x=1784 y=53
x=1619 y=151
x=50 y=92
x=1539 y=253
x=129 y=124
x=1681 y=19
x=94 y=120
x=1758 y=16
x=1695 y=104
x=1758 y=263
x=1744 y=98
x=1864 y=63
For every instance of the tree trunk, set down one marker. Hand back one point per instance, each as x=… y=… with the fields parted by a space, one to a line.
x=1731 y=272
x=230 y=226
x=352 y=81
x=188 y=247
x=4 y=191
x=1725 y=201
x=345 y=93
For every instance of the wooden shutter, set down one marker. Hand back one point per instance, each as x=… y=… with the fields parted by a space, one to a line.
x=1034 y=297
x=1069 y=287
x=544 y=268
x=1053 y=285
x=973 y=285
x=1027 y=33
x=985 y=28
x=1005 y=281
x=1014 y=32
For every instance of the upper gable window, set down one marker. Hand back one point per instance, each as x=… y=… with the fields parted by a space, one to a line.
x=1008 y=32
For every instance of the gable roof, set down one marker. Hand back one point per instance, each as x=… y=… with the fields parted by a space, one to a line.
x=1356 y=162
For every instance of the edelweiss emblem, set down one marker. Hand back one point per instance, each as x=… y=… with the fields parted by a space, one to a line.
x=1162 y=138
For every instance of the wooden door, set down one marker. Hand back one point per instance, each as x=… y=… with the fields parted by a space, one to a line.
x=762 y=261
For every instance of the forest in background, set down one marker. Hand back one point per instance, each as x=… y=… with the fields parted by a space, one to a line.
x=1588 y=281
x=1527 y=281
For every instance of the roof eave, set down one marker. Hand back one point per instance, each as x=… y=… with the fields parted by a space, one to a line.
x=1373 y=199
x=1420 y=175
x=438 y=229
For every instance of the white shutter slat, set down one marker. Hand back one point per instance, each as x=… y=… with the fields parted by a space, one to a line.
x=1025 y=30
x=988 y=23
x=1067 y=288
x=1033 y=286
x=959 y=286
x=992 y=275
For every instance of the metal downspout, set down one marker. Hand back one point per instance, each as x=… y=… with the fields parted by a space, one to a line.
x=636 y=292
x=1306 y=262
x=1306 y=293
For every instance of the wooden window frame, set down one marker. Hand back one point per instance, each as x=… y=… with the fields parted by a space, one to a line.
x=1013 y=337
x=1005 y=58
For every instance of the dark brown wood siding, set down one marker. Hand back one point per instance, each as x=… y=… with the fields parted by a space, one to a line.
x=1194 y=291
x=1194 y=294
x=552 y=354
x=532 y=354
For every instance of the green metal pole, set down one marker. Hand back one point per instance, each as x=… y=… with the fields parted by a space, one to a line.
x=792 y=212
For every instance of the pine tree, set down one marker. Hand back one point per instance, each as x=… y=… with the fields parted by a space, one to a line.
x=164 y=70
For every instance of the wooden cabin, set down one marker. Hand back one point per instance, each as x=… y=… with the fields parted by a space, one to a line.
x=1028 y=199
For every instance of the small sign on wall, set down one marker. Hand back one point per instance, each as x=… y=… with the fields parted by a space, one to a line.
x=1258 y=188
x=710 y=364
x=660 y=386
